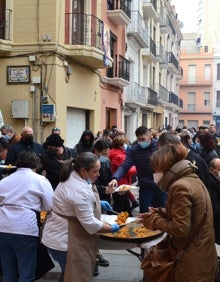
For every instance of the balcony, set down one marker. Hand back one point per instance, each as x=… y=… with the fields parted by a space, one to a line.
x=163 y=97
x=5 y=30
x=137 y=96
x=180 y=73
x=150 y=9
x=84 y=39
x=164 y=25
x=197 y=82
x=174 y=99
x=138 y=29
x=171 y=28
x=173 y=64
x=162 y=56
x=119 y=74
x=196 y=109
x=149 y=53
x=152 y=97
x=119 y=11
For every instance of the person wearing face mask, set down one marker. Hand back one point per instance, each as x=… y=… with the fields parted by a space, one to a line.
x=53 y=158
x=85 y=144
x=117 y=156
x=71 y=231
x=139 y=155
x=187 y=218
x=26 y=143
x=101 y=150
x=207 y=147
x=214 y=191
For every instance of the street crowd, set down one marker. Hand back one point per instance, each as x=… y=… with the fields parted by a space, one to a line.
x=177 y=172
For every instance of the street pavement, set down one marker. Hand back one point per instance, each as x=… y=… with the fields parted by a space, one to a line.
x=123 y=267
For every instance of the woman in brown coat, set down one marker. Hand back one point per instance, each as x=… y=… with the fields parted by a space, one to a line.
x=188 y=215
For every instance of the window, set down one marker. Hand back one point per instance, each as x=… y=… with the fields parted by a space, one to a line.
x=218 y=99
x=192 y=73
x=207 y=71
x=181 y=123
x=206 y=49
x=218 y=71
x=206 y=123
x=191 y=101
x=192 y=123
x=206 y=98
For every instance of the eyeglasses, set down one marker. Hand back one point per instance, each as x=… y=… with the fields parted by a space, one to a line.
x=56 y=128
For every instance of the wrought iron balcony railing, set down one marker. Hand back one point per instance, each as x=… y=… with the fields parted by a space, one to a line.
x=120 y=68
x=172 y=59
x=174 y=99
x=152 y=97
x=5 y=24
x=84 y=29
x=123 y=5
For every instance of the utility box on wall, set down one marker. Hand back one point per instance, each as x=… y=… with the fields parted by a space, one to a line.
x=48 y=113
x=20 y=108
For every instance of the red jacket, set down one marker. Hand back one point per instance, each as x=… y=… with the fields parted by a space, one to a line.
x=117 y=157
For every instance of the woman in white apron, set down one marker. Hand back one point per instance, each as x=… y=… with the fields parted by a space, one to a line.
x=77 y=201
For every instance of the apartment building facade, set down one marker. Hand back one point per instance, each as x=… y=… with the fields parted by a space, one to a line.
x=196 y=87
x=153 y=49
x=200 y=86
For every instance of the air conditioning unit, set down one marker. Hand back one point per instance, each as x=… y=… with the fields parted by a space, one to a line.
x=48 y=112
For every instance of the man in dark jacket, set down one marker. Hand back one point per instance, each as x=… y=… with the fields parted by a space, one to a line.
x=214 y=191
x=53 y=158
x=202 y=171
x=139 y=155
x=26 y=143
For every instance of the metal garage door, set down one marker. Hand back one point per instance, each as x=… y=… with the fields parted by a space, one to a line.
x=76 y=124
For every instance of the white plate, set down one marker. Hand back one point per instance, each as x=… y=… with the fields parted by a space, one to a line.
x=110 y=219
x=124 y=188
x=7 y=166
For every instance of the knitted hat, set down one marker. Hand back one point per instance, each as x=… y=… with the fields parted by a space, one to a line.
x=54 y=140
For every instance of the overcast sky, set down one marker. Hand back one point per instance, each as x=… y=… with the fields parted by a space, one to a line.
x=187 y=13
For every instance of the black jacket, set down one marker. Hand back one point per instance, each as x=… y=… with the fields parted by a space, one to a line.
x=52 y=165
x=214 y=191
x=203 y=170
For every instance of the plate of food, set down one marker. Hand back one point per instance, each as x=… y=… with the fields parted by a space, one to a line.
x=7 y=166
x=122 y=218
x=133 y=232
x=125 y=187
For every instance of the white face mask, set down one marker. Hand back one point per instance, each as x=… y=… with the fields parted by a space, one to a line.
x=157 y=176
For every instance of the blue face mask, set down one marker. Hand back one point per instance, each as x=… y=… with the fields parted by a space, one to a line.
x=103 y=159
x=6 y=138
x=88 y=180
x=144 y=144
x=125 y=146
x=199 y=147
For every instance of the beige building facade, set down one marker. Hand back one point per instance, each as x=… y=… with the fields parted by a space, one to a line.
x=58 y=45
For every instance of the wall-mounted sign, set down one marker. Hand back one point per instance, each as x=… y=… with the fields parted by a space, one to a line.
x=18 y=74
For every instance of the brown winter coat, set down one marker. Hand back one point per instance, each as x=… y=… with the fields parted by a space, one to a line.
x=187 y=202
